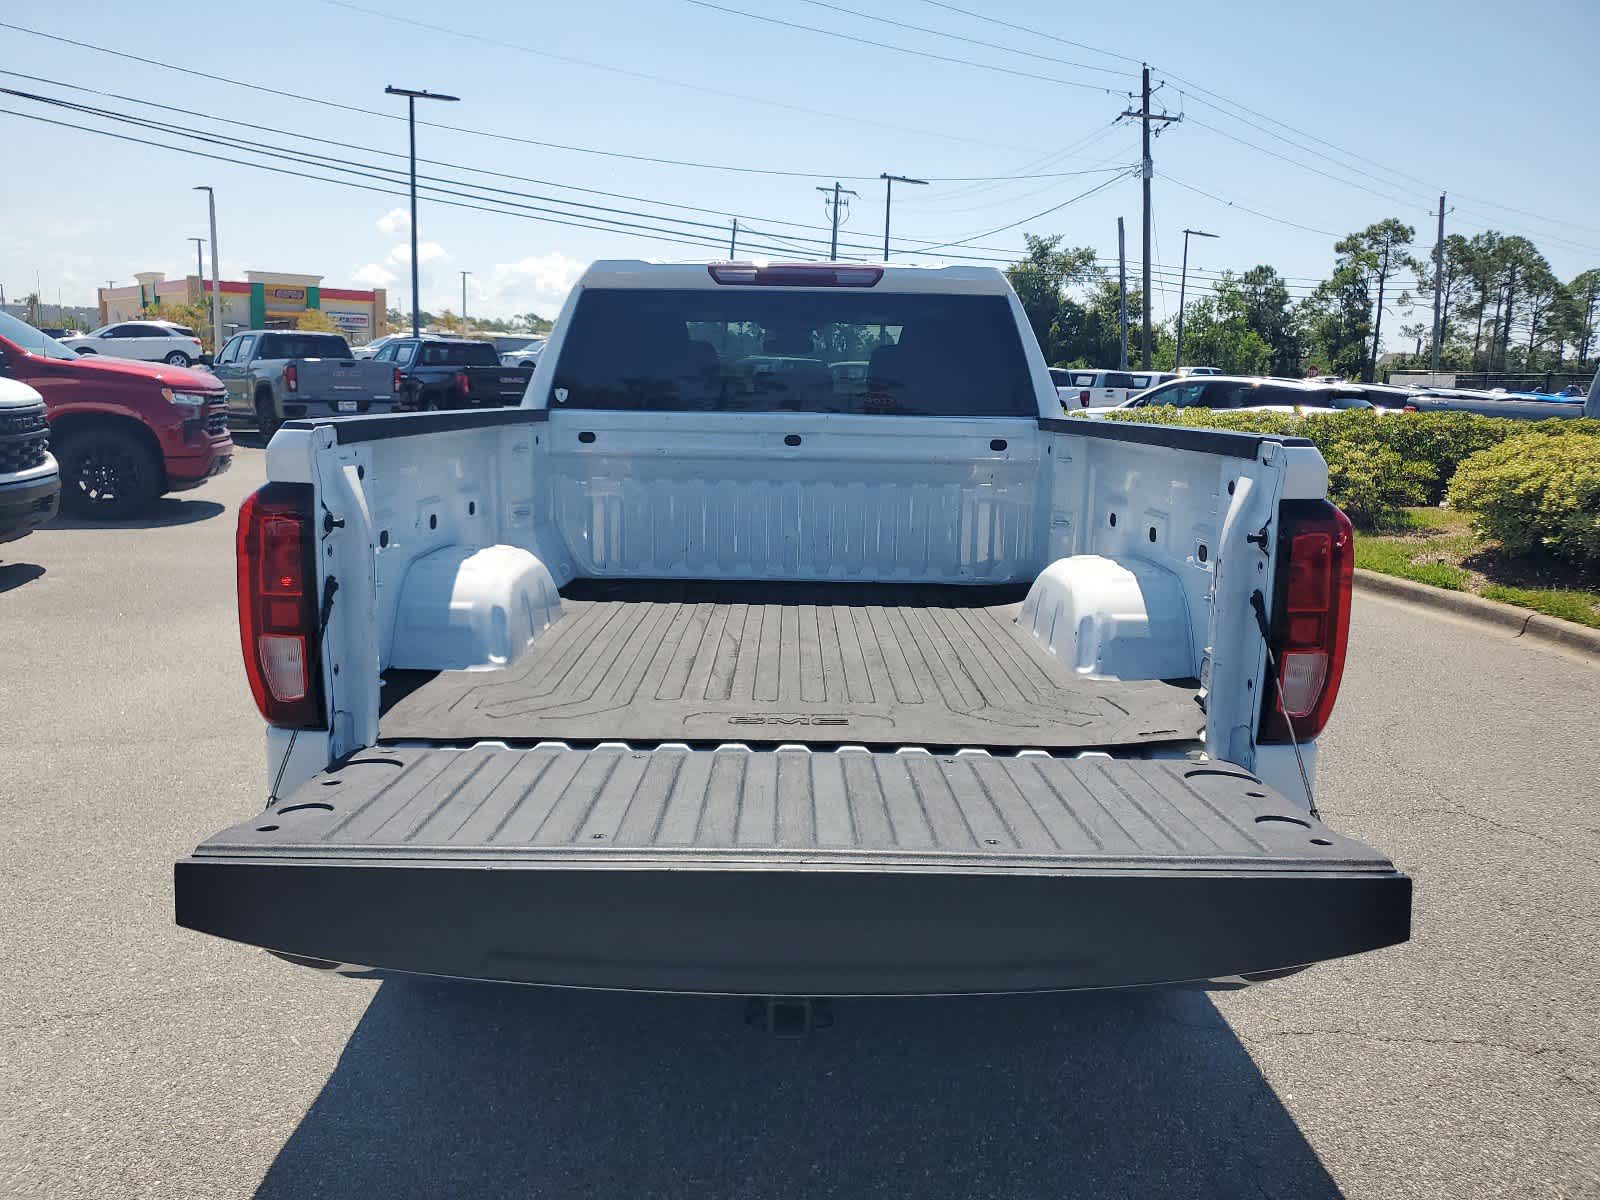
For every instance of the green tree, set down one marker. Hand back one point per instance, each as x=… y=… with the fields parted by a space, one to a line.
x=1585 y=292
x=1042 y=280
x=1216 y=332
x=1260 y=298
x=192 y=316
x=314 y=320
x=1378 y=251
x=1337 y=319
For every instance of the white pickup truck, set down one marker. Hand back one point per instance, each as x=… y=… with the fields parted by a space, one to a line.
x=689 y=677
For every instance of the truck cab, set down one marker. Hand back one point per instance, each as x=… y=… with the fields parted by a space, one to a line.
x=692 y=675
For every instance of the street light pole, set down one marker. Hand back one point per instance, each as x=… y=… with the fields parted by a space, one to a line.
x=216 y=275
x=464 y=275
x=412 y=95
x=1183 y=279
x=888 y=195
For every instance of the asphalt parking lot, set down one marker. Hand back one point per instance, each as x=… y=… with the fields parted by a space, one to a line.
x=143 y=1060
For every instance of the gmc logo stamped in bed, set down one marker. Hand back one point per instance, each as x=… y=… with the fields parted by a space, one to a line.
x=764 y=719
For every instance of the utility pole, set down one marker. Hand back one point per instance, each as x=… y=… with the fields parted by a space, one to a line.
x=1183 y=280
x=888 y=195
x=464 y=275
x=1438 y=288
x=200 y=264
x=412 y=95
x=1588 y=324
x=733 y=240
x=216 y=275
x=1147 y=171
x=1122 y=295
x=833 y=209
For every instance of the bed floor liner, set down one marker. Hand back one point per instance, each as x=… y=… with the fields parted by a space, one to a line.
x=862 y=664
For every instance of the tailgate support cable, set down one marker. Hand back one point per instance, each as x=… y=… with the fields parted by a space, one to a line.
x=1258 y=605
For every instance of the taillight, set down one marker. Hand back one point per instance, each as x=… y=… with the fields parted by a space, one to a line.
x=795 y=274
x=397 y=379
x=1410 y=408
x=277 y=573
x=463 y=386
x=1083 y=398
x=291 y=378
x=1310 y=618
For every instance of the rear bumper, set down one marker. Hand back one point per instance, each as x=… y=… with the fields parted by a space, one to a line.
x=312 y=409
x=28 y=504
x=792 y=873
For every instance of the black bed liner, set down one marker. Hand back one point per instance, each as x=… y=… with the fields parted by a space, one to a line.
x=793 y=871
x=866 y=664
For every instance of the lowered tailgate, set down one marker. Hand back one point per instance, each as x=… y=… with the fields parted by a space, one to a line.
x=791 y=871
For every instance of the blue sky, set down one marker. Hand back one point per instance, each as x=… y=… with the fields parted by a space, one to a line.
x=1505 y=121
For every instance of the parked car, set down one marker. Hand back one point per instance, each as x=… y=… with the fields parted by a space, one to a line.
x=1082 y=389
x=1254 y=393
x=450 y=372
x=370 y=350
x=30 y=485
x=526 y=356
x=1495 y=404
x=149 y=341
x=1184 y=371
x=696 y=687
x=123 y=432
x=276 y=375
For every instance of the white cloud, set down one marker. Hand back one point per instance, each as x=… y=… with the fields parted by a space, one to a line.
x=538 y=283
x=394 y=222
x=427 y=252
x=375 y=275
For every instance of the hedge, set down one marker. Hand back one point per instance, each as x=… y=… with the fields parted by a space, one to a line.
x=1539 y=490
x=1378 y=463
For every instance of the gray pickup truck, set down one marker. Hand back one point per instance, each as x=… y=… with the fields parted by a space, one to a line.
x=278 y=375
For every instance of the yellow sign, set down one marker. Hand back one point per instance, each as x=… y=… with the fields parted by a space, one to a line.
x=286 y=295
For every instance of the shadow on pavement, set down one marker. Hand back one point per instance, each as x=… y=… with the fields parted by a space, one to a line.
x=479 y=1090
x=165 y=512
x=14 y=575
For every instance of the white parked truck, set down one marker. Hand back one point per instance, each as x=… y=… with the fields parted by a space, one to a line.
x=690 y=677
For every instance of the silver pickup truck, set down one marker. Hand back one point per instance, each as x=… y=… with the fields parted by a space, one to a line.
x=278 y=375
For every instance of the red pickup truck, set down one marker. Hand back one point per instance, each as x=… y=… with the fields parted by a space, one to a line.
x=123 y=432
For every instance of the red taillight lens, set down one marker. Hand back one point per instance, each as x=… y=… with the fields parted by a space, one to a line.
x=1310 y=618
x=291 y=378
x=1083 y=398
x=397 y=379
x=463 y=385
x=1410 y=408
x=278 y=604
x=795 y=274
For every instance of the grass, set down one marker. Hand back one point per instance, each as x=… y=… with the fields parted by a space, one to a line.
x=1438 y=547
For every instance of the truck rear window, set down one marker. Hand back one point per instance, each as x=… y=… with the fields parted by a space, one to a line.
x=303 y=345
x=754 y=350
x=459 y=354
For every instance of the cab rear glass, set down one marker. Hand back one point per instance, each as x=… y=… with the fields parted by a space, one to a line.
x=826 y=351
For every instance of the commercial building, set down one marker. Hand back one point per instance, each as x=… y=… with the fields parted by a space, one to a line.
x=262 y=300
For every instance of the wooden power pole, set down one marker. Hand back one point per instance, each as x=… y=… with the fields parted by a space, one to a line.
x=1145 y=117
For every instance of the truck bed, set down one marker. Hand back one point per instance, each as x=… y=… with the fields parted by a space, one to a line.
x=792 y=872
x=859 y=664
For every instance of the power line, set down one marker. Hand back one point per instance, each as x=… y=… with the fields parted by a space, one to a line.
x=928 y=54
x=1031 y=31
x=956 y=37
x=1252 y=211
x=1044 y=212
x=506 y=137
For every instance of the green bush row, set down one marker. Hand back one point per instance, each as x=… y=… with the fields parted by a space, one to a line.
x=1539 y=490
x=1530 y=485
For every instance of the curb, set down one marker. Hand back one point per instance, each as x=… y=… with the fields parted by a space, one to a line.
x=1519 y=622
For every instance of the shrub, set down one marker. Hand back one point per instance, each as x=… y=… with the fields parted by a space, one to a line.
x=1444 y=440
x=1538 y=490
